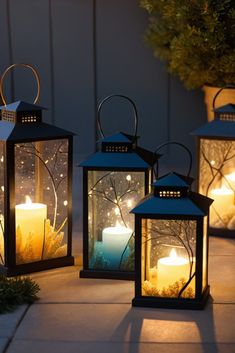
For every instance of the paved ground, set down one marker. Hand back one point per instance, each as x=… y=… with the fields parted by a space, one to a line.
x=95 y=316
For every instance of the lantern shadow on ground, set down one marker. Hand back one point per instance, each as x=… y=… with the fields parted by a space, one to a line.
x=144 y=325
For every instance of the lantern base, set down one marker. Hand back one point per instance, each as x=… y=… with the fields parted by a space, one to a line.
x=37 y=266
x=222 y=232
x=167 y=303
x=130 y=276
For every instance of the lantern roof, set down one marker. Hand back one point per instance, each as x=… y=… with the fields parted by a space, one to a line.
x=25 y=126
x=119 y=137
x=120 y=151
x=169 y=198
x=20 y=106
x=173 y=179
x=216 y=129
x=227 y=108
x=30 y=132
x=127 y=161
x=223 y=125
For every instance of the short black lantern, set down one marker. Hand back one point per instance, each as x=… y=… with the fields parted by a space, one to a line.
x=171 y=227
x=35 y=190
x=114 y=180
x=216 y=168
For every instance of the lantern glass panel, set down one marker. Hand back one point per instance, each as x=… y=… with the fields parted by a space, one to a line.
x=217 y=180
x=41 y=200
x=2 y=197
x=168 y=258
x=111 y=196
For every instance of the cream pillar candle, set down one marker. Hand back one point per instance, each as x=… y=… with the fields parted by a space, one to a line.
x=30 y=218
x=171 y=269
x=223 y=198
x=231 y=180
x=115 y=240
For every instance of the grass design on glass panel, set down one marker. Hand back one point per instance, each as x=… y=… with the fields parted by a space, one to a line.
x=172 y=291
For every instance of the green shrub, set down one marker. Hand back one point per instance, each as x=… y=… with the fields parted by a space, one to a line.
x=16 y=291
x=195 y=37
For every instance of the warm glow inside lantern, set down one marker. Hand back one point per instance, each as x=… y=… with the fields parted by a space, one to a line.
x=114 y=182
x=216 y=169
x=35 y=191
x=115 y=179
x=171 y=228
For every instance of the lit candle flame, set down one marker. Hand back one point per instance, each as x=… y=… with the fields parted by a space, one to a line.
x=173 y=254
x=118 y=224
x=28 y=200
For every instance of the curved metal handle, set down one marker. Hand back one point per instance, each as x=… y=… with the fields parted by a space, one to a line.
x=174 y=143
x=121 y=96
x=219 y=91
x=23 y=65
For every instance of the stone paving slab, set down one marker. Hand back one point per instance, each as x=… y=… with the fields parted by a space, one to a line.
x=95 y=315
x=121 y=323
x=64 y=285
x=21 y=346
x=9 y=321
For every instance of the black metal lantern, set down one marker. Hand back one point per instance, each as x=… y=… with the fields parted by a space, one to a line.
x=35 y=190
x=171 y=227
x=216 y=168
x=114 y=180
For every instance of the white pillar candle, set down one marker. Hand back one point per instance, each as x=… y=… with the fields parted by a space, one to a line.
x=115 y=240
x=30 y=218
x=171 y=269
x=231 y=180
x=223 y=198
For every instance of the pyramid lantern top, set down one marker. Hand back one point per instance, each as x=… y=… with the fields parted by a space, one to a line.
x=172 y=196
x=225 y=112
x=21 y=112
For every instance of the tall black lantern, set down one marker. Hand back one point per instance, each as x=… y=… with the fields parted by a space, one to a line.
x=35 y=191
x=171 y=227
x=114 y=180
x=216 y=168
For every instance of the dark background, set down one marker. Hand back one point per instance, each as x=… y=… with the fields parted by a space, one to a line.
x=85 y=50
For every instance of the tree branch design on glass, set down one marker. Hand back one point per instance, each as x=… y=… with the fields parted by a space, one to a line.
x=169 y=266
x=111 y=231
x=217 y=180
x=47 y=171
